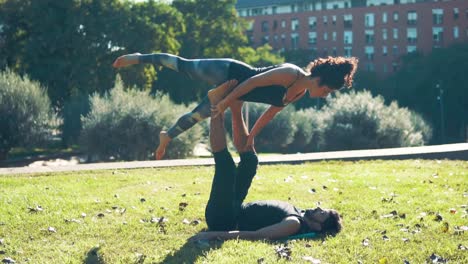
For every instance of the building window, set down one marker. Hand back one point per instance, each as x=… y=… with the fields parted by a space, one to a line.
x=294 y=24
x=257 y=11
x=369 y=50
x=384 y=51
x=438 y=34
x=294 y=41
x=411 y=49
x=395 y=33
x=283 y=23
x=318 y=6
x=265 y=39
x=437 y=16
x=395 y=50
x=369 y=36
x=385 y=69
x=412 y=17
x=370 y=66
x=412 y=35
x=334 y=36
x=348 y=51
x=384 y=34
x=325 y=20
x=334 y=20
x=334 y=52
x=395 y=67
x=325 y=36
x=274 y=10
x=395 y=16
x=312 y=38
x=275 y=25
x=312 y=22
x=455 y=32
x=384 y=17
x=293 y=8
x=348 y=37
x=348 y=21
x=455 y=13
x=264 y=26
x=369 y=20
x=283 y=39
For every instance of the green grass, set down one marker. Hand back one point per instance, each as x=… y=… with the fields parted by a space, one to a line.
x=362 y=191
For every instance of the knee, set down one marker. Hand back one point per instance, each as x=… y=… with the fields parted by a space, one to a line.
x=187 y=120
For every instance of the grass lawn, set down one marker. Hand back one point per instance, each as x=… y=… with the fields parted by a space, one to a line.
x=394 y=211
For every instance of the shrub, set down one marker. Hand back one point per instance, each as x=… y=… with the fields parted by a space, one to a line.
x=360 y=121
x=26 y=115
x=307 y=137
x=125 y=124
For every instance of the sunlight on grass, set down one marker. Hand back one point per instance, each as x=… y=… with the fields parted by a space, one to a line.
x=393 y=211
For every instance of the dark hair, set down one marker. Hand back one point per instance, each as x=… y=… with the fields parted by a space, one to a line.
x=333 y=223
x=334 y=72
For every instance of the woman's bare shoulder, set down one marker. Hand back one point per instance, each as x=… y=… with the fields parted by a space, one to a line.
x=292 y=68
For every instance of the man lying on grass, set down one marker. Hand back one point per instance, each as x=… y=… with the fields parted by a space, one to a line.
x=227 y=217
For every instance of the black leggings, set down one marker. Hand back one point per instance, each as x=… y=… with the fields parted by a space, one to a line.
x=229 y=189
x=212 y=71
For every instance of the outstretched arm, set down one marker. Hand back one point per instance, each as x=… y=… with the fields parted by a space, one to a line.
x=262 y=121
x=287 y=227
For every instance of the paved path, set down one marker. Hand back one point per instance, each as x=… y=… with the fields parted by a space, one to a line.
x=448 y=151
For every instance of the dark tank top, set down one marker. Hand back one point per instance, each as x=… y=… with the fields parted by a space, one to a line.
x=259 y=214
x=271 y=94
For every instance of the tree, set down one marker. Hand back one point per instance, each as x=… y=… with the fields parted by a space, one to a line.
x=420 y=82
x=213 y=30
x=69 y=45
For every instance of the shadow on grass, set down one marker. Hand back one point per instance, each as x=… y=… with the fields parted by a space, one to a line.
x=190 y=251
x=92 y=257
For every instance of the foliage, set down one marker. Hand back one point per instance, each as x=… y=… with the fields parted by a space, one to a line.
x=360 y=121
x=125 y=124
x=69 y=45
x=421 y=79
x=300 y=57
x=213 y=30
x=259 y=57
x=26 y=115
x=398 y=206
x=307 y=137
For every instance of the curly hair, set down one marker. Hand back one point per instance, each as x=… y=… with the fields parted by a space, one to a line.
x=333 y=224
x=334 y=72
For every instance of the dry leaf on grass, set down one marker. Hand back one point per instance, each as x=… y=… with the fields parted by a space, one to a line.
x=283 y=252
x=8 y=260
x=312 y=260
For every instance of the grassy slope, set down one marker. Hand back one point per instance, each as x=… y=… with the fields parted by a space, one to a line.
x=361 y=191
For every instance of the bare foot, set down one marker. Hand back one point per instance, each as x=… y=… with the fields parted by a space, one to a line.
x=217 y=94
x=164 y=140
x=126 y=60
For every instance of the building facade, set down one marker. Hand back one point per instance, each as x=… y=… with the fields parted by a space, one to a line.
x=378 y=32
